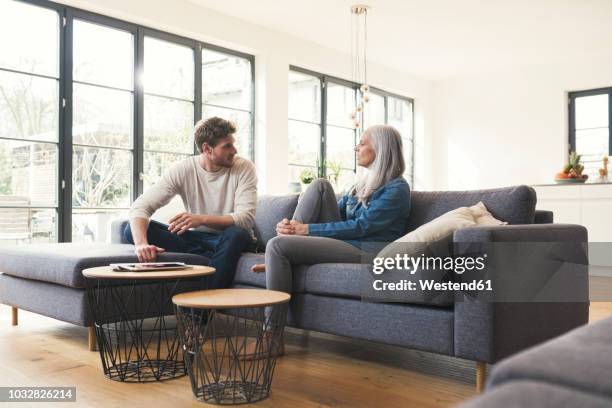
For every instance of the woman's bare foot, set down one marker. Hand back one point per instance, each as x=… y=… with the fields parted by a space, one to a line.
x=258 y=268
x=259 y=350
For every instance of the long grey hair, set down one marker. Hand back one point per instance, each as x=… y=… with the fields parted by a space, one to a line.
x=388 y=161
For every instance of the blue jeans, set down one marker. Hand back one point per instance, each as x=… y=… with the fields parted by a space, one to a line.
x=222 y=249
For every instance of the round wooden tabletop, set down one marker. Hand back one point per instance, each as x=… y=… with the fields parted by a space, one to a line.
x=230 y=298
x=106 y=272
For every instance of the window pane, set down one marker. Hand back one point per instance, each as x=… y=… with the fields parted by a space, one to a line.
x=340 y=147
x=340 y=105
x=592 y=144
x=27 y=225
x=242 y=120
x=101 y=177
x=103 y=55
x=168 y=125
x=304 y=97
x=155 y=164
x=30 y=38
x=28 y=173
x=29 y=107
x=407 y=146
x=102 y=117
x=592 y=111
x=345 y=181
x=304 y=143
x=374 y=111
x=226 y=80
x=400 y=116
x=168 y=69
x=94 y=225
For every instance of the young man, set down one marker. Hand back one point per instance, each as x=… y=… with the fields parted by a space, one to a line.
x=219 y=192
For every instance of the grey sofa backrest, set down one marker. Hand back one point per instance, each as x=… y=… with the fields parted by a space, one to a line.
x=516 y=205
x=270 y=210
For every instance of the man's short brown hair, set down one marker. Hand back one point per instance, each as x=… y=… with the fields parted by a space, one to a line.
x=212 y=130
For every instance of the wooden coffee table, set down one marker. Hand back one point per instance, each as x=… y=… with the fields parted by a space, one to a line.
x=231 y=339
x=135 y=330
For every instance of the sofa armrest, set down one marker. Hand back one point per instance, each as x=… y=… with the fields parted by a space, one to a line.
x=543 y=217
x=539 y=275
x=116 y=232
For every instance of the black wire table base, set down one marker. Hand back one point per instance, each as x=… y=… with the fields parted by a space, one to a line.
x=230 y=354
x=136 y=331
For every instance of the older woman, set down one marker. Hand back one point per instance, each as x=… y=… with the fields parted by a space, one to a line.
x=324 y=230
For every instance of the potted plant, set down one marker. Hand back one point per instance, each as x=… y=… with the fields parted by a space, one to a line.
x=572 y=171
x=333 y=173
x=307 y=176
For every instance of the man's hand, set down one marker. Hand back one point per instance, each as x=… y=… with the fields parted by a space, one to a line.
x=286 y=227
x=183 y=221
x=148 y=253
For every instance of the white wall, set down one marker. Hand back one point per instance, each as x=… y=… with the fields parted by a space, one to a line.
x=274 y=52
x=509 y=127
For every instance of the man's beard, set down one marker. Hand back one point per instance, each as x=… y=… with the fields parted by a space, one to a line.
x=224 y=163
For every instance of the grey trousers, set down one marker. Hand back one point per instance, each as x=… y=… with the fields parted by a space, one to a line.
x=317 y=204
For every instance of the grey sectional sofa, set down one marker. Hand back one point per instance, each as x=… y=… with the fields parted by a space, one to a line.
x=573 y=370
x=327 y=297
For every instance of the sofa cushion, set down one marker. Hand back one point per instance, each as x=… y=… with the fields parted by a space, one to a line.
x=521 y=394
x=440 y=227
x=483 y=217
x=270 y=210
x=244 y=276
x=335 y=279
x=440 y=249
x=63 y=263
x=578 y=359
x=515 y=205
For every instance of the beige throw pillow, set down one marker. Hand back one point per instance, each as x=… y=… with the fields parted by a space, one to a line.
x=442 y=226
x=482 y=216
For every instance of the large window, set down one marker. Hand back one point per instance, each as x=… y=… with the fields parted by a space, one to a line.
x=590 y=132
x=93 y=110
x=321 y=132
x=29 y=125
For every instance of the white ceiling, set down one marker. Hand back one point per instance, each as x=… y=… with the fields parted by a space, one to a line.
x=436 y=39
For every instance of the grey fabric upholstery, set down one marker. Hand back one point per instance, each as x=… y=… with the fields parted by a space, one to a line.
x=63 y=263
x=421 y=327
x=525 y=394
x=487 y=331
x=270 y=210
x=516 y=205
x=580 y=360
x=48 y=299
x=71 y=304
x=441 y=248
x=543 y=217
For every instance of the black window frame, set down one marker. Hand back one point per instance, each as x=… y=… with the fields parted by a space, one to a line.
x=66 y=15
x=572 y=114
x=324 y=80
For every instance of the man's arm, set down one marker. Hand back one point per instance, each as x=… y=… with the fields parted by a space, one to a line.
x=245 y=200
x=184 y=221
x=144 y=251
x=143 y=208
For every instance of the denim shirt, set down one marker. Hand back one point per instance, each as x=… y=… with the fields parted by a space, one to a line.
x=383 y=220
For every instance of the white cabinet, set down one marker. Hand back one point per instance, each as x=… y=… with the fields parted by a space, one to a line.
x=585 y=204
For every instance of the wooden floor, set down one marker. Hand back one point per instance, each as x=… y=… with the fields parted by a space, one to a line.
x=318 y=371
